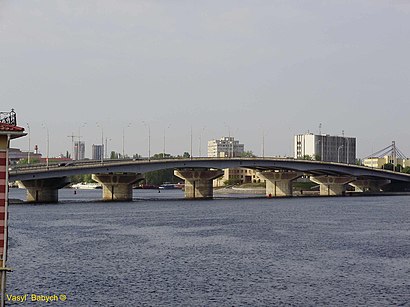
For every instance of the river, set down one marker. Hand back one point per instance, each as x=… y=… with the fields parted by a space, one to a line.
x=162 y=250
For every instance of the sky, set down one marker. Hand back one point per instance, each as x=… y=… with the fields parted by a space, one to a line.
x=261 y=71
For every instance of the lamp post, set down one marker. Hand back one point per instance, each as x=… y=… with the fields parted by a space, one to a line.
x=263 y=144
x=123 y=140
x=147 y=125
x=191 y=142
x=200 y=142
x=29 y=145
x=163 y=156
x=338 y=153
x=48 y=143
x=102 y=142
x=79 y=140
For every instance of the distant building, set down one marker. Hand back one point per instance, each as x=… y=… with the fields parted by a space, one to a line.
x=325 y=147
x=97 y=152
x=376 y=162
x=226 y=147
x=15 y=155
x=79 y=150
x=237 y=175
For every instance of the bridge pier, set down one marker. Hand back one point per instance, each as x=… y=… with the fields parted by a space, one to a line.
x=279 y=184
x=117 y=187
x=43 y=190
x=369 y=185
x=198 y=182
x=332 y=185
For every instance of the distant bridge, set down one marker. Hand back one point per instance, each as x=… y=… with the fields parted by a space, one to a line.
x=328 y=174
x=144 y=166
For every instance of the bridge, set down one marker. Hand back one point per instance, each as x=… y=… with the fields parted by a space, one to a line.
x=117 y=176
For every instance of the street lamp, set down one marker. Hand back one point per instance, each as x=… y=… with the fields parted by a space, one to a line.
x=200 y=142
x=149 y=139
x=191 y=142
x=29 y=146
x=79 y=140
x=164 y=141
x=48 y=143
x=102 y=142
x=338 y=153
x=263 y=144
x=123 y=140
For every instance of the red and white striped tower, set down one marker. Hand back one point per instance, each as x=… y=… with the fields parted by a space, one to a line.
x=8 y=130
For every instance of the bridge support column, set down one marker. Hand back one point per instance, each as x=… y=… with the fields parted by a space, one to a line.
x=332 y=185
x=198 y=182
x=43 y=190
x=369 y=185
x=279 y=184
x=117 y=187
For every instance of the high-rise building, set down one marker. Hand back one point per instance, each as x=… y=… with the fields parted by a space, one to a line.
x=226 y=147
x=79 y=150
x=97 y=152
x=325 y=147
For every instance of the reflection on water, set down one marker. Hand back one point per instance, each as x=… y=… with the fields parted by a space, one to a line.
x=224 y=252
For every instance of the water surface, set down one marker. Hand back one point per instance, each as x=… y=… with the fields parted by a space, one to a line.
x=162 y=250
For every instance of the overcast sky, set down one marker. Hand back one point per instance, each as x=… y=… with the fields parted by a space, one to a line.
x=244 y=68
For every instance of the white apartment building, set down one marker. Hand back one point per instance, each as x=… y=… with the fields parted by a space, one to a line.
x=325 y=147
x=226 y=147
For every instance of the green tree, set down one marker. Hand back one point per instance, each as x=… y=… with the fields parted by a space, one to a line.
x=25 y=161
x=160 y=176
x=159 y=156
x=406 y=170
x=114 y=155
x=248 y=154
x=81 y=178
x=388 y=166
x=232 y=181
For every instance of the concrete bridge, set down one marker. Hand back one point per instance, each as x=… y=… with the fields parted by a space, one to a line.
x=118 y=176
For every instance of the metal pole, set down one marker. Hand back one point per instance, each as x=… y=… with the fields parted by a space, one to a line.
x=149 y=143
x=163 y=156
x=191 y=142
x=29 y=145
x=338 y=153
x=102 y=145
x=200 y=141
x=394 y=154
x=321 y=143
x=48 y=147
x=263 y=144
x=48 y=143
x=123 y=140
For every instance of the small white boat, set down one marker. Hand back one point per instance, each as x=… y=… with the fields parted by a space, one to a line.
x=86 y=186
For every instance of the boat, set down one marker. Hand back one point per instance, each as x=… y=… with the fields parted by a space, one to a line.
x=170 y=186
x=86 y=186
